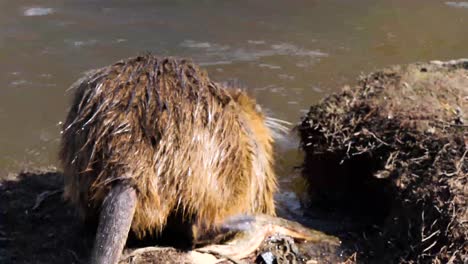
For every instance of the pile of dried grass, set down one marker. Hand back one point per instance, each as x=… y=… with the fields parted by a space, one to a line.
x=392 y=151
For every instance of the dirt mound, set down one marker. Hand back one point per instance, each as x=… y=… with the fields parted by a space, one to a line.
x=391 y=154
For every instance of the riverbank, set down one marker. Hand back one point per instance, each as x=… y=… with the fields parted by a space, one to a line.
x=37 y=226
x=387 y=156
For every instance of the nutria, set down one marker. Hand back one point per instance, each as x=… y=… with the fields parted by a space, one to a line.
x=151 y=138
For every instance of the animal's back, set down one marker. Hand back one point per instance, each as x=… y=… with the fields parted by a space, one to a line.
x=184 y=142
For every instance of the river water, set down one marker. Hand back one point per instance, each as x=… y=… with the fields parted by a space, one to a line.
x=288 y=53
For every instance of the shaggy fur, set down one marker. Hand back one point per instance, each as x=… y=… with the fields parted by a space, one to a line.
x=184 y=142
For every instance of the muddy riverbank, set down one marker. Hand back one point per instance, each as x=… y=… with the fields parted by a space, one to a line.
x=386 y=164
x=37 y=226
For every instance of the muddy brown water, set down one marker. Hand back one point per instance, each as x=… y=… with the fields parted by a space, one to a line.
x=288 y=53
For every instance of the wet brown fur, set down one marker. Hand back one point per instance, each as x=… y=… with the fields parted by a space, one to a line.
x=184 y=142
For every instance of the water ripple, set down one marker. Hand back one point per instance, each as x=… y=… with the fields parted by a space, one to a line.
x=215 y=54
x=38 y=11
x=457 y=4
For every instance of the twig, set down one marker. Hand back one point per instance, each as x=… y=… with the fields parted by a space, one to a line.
x=450 y=124
x=218 y=255
x=366 y=131
x=44 y=195
x=429 y=247
x=351 y=259
x=440 y=153
x=460 y=163
x=459 y=166
x=141 y=251
x=454 y=256
x=74 y=255
x=430 y=236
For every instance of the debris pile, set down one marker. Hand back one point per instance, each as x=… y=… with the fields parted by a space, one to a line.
x=391 y=153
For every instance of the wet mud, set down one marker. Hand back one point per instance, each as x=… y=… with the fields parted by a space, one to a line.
x=38 y=226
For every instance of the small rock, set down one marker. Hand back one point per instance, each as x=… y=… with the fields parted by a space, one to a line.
x=266 y=258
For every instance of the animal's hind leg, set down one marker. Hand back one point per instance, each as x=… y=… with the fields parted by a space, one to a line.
x=115 y=220
x=254 y=229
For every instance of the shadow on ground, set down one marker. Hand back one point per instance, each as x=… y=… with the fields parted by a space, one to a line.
x=38 y=226
x=45 y=232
